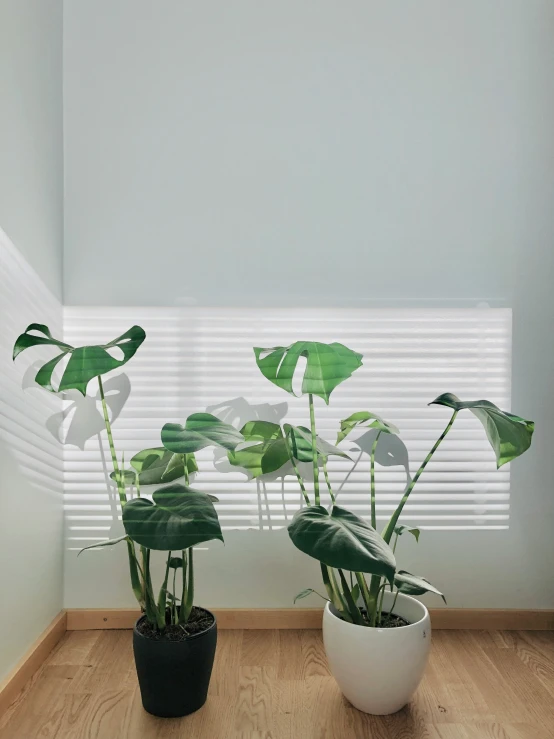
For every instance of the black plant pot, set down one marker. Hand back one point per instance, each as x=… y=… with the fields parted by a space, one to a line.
x=174 y=675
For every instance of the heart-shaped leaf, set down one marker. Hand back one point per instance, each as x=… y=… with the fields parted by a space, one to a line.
x=414 y=585
x=509 y=435
x=200 y=430
x=342 y=540
x=327 y=366
x=176 y=563
x=366 y=420
x=176 y=518
x=407 y=529
x=85 y=362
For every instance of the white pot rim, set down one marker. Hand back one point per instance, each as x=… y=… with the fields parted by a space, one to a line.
x=401 y=596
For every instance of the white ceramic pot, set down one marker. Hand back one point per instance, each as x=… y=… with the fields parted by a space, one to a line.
x=378 y=670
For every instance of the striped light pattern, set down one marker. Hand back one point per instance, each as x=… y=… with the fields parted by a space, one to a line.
x=197 y=359
x=28 y=414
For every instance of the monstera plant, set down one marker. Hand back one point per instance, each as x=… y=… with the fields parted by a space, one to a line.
x=175 y=517
x=357 y=562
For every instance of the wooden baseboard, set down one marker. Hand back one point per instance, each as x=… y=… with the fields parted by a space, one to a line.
x=31 y=661
x=495 y=619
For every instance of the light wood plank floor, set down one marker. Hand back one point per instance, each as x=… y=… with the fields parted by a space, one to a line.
x=275 y=685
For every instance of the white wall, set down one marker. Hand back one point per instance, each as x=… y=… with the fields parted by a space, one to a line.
x=328 y=153
x=31 y=166
x=31 y=472
x=31 y=224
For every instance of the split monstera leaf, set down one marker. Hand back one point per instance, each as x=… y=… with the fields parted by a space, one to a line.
x=85 y=362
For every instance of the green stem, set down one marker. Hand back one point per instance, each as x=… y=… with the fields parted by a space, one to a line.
x=314 y=450
x=331 y=588
x=364 y=592
x=391 y=609
x=174 y=602
x=328 y=481
x=372 y=474
x=184 y=591
x=118 y=476
x=352 y=607
x=162 y=598
x=190 y=586
x=187 y=478
x=133 y=568
x=296 y=470
x=389 y=530
x=382 y=588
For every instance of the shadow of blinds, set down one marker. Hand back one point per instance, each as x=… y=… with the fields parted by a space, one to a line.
x=24 y=407
x=197 y=359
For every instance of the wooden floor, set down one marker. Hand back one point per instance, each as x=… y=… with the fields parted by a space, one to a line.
x=275 y=685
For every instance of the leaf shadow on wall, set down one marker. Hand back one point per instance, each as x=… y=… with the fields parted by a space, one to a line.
x=83 y=418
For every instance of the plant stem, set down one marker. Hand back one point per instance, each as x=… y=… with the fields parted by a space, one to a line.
x=314 y=450
x=364 y=592
x=174 y=602
x=372 y=474
x=391 y=609
x=382 y=588
x=184 y=591
x=187 y=478
x=352 y=607
x=331 y=588
x=389 y=530
x=190 y=586
x=328 y=481
x=133 y=569
x=118 y=476
x=162 y=598
x=296 y=471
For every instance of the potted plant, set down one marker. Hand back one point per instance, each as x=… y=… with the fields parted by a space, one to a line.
x=174 y=641
x=376 y=634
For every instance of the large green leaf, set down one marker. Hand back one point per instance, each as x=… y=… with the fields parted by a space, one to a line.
x=200 y=430
x=414 y=585
x=509 y=435
x=366 y=420
x=341 y=539
x=176 y=518
x=327 y=366
x=85 y=362
x=270 y=453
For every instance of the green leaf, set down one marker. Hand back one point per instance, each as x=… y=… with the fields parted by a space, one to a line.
x=414 y=585
x=327 y=366
x=300 y=439
x=304 y=594
x=85 y=362
x=267 y=455
x=366 y=420
x=107 y=543
x=200 y=430
x=129 y=477
x=176 y=518
x=157 y=465
x=509 y=435
x=270 y=453
x=407 y=529
x=176 y=563
x=342 y=540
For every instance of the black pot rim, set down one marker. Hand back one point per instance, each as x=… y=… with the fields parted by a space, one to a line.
x=189 y=637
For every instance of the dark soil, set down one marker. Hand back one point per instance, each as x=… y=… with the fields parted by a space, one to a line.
x=387 y=623
x=199 y=621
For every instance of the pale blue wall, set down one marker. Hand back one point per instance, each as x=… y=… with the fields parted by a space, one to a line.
x=31 y=151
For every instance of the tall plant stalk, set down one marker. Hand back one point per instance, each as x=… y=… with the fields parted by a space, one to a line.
x=314 y=450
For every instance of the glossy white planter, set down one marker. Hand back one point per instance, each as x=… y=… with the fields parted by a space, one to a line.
x=378 y=670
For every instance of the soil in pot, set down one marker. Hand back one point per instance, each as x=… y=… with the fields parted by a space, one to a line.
x=174 y=667
x=388 y=621
x=199 y=621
